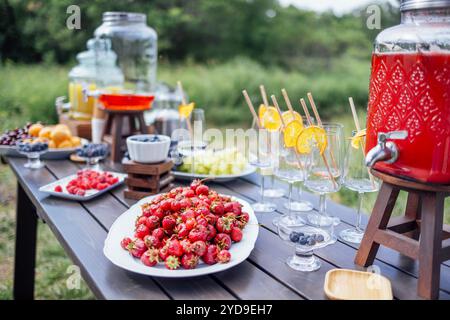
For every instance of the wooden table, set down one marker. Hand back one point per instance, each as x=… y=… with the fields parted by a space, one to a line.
x=81 y=228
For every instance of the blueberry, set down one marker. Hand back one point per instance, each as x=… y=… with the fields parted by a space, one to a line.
x=320 y=238
x=294 y=236
x=311 y=241
x=300 y=234
x=302 y=240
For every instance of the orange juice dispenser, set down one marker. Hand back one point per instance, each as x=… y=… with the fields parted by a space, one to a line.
x=97 y=69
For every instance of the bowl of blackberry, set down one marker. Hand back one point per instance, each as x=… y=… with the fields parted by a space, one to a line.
x=92 y=153
x=32 y=149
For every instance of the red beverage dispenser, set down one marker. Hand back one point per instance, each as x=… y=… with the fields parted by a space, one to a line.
x=408 y=124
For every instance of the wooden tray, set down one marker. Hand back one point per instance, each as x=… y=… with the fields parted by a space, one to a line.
x=345 y=284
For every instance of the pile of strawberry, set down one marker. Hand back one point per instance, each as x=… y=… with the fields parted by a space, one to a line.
x=187 y=224
x=87 y=180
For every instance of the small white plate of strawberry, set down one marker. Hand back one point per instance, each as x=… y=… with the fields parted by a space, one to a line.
x=84 y=185
x=186 y=232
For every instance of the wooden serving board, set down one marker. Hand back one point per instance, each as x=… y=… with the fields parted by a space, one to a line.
x=346 y=284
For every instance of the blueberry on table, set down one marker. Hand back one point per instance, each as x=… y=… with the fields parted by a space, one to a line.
x=320 y=238
x=311 y=241
x=302 y=240
x=294 y=236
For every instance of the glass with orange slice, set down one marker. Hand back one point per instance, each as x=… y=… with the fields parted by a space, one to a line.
x=324 y=166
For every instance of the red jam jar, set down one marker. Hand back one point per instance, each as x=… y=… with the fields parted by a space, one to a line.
x=410 y=91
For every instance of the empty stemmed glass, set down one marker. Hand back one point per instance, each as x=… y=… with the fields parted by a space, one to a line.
x=357 y=177
x=323 y=172
x=289 y=168
x=260 y=156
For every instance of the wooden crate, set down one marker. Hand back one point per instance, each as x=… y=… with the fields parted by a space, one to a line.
x=147 y=179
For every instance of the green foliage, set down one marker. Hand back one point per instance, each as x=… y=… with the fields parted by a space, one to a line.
x=201 y=30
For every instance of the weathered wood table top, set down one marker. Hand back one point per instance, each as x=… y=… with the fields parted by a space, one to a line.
x=81 y=228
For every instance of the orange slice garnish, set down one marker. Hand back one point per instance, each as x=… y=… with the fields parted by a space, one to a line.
x=291 y=132
x=358 y=138
x=270 y=119
x=185 y=110
x=310 y=136
x=289 y=116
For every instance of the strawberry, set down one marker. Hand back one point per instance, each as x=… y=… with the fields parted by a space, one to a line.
x=141 y=231
x=224 y=224
x=202 y=221
x=198 y=233
x=175 y=206
x=125 y=242
x=168 y=223
x=187 y=215
x=244 y=217
x=210 y=256
x=186 y=245
x=217 y=208
x=223 y=241
x=202 y=211
x=188 y=193
x=228 y=207
x=58 y=188
x=150 y=257
x=189 y=261
x=158 y=233
x=152 y=222
x=163 y=254
x=166 y=205
x=191 y=223
x=184 y=203
x=152 y=241
x=223 y=256
x=211 y=218
x=202 y=189
x=141 y=220
x=199 y=248
x=237 y=208
x=172 y=262
x=159 y=213
x=174 y=248
x=195 y=184
x=102 y=186
x=236 y=234
x=137 y=248
x=181 y=230
x=211 y=232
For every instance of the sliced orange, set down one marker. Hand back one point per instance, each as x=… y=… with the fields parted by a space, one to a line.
x=261 y=110
x=291 y=132
x=311 y=135
x=185 y=110
x=271 y=119
x=289 y=116
x=358 y=138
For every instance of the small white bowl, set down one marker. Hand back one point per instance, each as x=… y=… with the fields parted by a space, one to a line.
x=148 y=152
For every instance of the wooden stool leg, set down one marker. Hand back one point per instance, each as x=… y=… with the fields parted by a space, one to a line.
x=430 y=245
x=378 y=220
x=116 y=153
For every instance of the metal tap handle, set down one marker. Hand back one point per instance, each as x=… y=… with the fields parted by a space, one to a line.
x=394 y=135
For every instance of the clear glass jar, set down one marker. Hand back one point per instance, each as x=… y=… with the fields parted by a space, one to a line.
x=135 y=44
x=410 y=90
x=96 y=70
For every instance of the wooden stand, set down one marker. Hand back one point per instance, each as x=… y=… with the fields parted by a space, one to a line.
x=420 y=234
x=114 y=132
x=146 y=179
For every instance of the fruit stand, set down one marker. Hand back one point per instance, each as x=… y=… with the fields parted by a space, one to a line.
x=82 y=229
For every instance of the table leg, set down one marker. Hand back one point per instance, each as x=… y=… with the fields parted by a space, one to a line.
x=25 y=251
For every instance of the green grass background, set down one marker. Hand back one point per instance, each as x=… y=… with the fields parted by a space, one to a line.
x=27 y=93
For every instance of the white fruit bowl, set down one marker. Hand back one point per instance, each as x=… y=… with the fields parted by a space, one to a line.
x=148 y=151
x=124 y=226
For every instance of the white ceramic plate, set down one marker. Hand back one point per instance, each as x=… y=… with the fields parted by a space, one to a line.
x=51 y=154
x=50 y=188
x=222 y=178
x=124 y=227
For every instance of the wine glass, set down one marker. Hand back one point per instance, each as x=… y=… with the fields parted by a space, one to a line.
x=357 y=177
x=300 y=205
x=323 y=172
x=289 y=168
x=260 y=157
x=305 y=240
